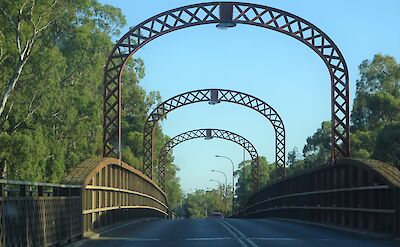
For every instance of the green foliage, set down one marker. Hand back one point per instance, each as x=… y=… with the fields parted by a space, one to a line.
x=201 y=204
x=376 y=110
x=318 y=147
x=377 y=99
x=387 y=146
x=52 y=118
x=245 y=178
x=375 y=119
x=294 y=162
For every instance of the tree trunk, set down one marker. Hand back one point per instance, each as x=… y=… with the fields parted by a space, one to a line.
x=11 y=85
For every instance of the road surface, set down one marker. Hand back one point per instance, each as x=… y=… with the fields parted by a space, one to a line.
x=231 y=233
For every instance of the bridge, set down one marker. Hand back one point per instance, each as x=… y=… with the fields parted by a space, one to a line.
x=106 y=202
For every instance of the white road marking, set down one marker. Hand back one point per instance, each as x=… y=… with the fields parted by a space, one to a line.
x=291 y=239
x=126 y=224
x=130 y=239
x=240 y=237
x=207 y=239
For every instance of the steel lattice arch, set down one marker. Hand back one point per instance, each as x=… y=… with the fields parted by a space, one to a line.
x=209 y=134
x=213 y=96
x=221 y=13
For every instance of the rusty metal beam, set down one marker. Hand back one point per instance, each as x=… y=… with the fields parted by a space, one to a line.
x=214 y=96
x=209 y=134
x=242 y=13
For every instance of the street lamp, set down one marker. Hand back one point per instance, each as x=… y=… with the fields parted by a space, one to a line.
x=233 y=177
x=226 y=188
x=226 y=179
x=219 y=183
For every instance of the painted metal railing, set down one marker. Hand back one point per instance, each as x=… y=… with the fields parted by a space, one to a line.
x=352 y=193
x=39 y=214
x=113 y=191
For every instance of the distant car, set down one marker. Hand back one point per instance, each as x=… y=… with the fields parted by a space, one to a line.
x=216 y=215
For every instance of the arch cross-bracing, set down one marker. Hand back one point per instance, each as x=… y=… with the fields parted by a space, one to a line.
x=213 y=96
x=209 y=134
x=226 y=14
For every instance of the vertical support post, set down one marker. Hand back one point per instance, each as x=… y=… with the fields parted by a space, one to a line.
x=40 y=190
x=22 y=190
x=71 y=194
x=119 y=117
x=396 y=206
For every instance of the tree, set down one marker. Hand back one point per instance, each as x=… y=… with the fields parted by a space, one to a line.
x=377 y=94
x=29 y=24
x=294 y=162
x=201 y=204
x=51 y=55
x=318 y=147
x=245 y=179
x=387 y=146
x=376 y=110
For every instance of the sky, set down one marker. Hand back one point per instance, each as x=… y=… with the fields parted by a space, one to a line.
x=280 y=70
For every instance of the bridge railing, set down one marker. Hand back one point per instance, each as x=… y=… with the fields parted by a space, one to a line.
x=39 y=214
x=113 y=191
x=352 y=193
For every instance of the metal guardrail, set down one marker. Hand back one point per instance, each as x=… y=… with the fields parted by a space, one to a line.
x=98 y=192
x=39 y=214
x=114 y=191
x=352 y=193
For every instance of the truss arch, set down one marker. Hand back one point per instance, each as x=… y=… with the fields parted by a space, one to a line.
x=213 y=96
x=209 y=134
x=227 y=14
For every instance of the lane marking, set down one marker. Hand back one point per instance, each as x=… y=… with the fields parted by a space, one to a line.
x=130 y=239
x=240 y=237
x=292 y=239
x=126 y=224
x=207 y=239
x=233 y=234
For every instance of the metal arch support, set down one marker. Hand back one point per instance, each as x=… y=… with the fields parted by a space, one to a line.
x=242 y=13
x=208 y=134
x=213 y=96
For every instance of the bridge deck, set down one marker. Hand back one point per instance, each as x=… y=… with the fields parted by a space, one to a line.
x=232 y=233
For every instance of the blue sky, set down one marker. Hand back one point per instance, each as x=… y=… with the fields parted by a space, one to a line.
x=276 y=68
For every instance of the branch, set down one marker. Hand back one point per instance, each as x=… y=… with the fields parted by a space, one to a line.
x=9 y=111
x=28 y=115
x=46 y=11
x=78 y=67
x=2 y=56
x=7 y=15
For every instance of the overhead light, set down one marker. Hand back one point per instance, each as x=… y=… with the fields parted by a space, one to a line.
x=226 y=25
x=225 y=16
x=214 y=97
x=208 y=134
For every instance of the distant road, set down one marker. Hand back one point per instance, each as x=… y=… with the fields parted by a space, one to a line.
x=232 y=233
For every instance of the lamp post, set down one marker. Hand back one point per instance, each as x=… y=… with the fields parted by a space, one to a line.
x=233 y=178
x=226 y=188
x=220 y=185
x=226 y=179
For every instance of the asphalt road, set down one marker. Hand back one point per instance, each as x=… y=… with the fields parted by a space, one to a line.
x=231 y=233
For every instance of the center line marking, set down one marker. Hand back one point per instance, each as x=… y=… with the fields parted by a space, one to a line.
x=206 y=239
x=240 y=237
